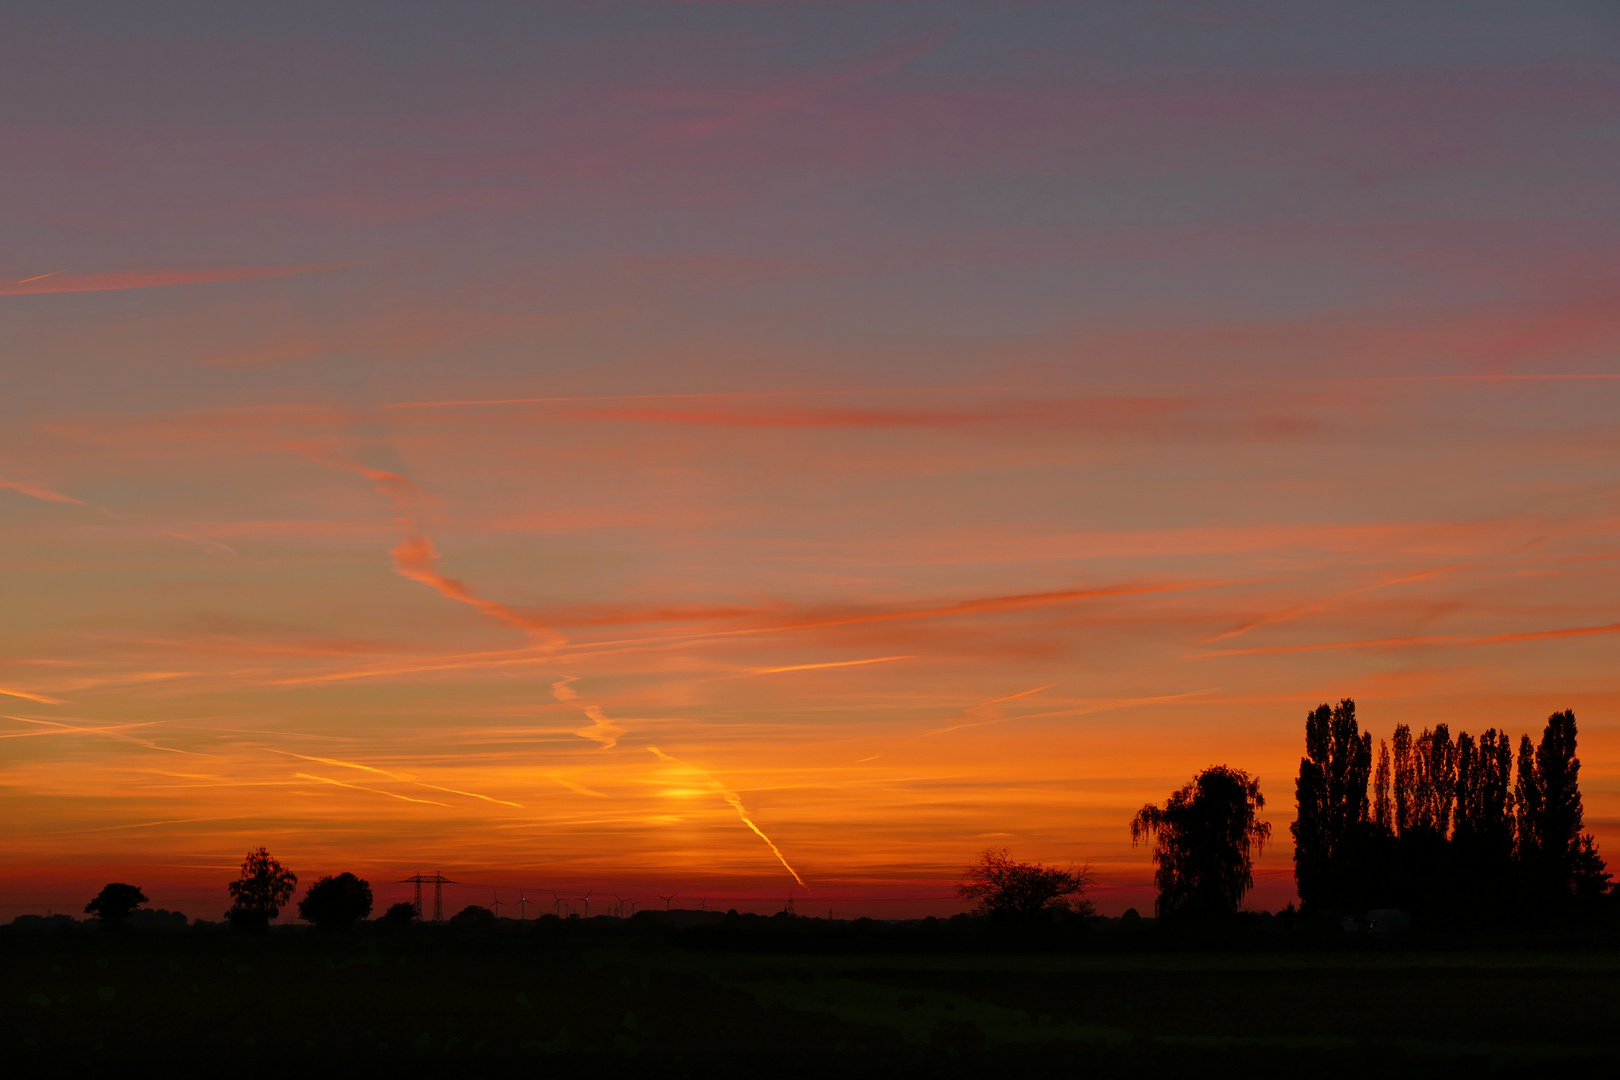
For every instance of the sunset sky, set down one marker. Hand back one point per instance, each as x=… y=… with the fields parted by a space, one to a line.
x=745 y=450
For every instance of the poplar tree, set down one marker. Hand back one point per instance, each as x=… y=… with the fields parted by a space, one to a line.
x=1556 y=859
x=1332 y=797
x=1383 y=811
x=1435 y=781
x=1405 y=778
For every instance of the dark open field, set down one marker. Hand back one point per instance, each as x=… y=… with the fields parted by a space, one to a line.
x=522 y=1002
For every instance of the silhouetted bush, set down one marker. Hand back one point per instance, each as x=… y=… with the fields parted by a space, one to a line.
x=400 y=914
x=336 y=902
x=473 y=917
x=161 y=919
x=1024 y=892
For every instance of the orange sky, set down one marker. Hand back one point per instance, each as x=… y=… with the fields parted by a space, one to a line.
x=788 y=463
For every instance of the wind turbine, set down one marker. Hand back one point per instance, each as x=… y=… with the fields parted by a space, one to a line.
x=667 y=899
x=496 y=904
x=523 y=906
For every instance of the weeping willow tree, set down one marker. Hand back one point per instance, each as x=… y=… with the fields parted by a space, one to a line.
x=1204 y=841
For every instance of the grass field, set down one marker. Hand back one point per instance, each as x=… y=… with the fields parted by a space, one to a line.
x=525 y=1003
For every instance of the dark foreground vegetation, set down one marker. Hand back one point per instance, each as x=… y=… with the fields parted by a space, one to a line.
x=699 y=994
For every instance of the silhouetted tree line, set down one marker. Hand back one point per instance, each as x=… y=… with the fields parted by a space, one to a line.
x=261 y=889
x=1451 y=829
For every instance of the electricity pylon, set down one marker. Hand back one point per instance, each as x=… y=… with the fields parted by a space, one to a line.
x=439 y=881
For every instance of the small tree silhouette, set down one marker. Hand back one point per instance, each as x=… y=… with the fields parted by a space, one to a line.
x=336 y=902
x=115 y=902
x=1024 y=892
x=473 y=916
x=260 y=891
x=1204 y=842
x=400 y=914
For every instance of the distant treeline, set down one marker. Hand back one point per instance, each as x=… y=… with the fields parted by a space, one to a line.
x=1451 y=830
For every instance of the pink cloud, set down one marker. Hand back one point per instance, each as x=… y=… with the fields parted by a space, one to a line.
x=25 y=488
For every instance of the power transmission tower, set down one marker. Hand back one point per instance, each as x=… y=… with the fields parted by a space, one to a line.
x=438 y=881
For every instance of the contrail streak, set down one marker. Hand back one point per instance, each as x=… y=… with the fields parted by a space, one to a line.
x=736 y=804
x=1317 y=605
x=1080 y=710
x=817 y=667
x=1432 y=639
x=26 y=696
x=374 y=791
x=403 y=778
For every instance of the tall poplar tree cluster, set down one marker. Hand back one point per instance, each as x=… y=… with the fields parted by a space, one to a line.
x=1451 y=828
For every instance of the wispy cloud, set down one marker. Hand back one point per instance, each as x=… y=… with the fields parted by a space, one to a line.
x=415 y=558
x=1106 y=705
x=602 y=729
x=64 y=282
x=823 y=666
x=1295 y=612
x=28 y=695
x=26 y=488
x=406 y=778
x=1425 y=640
x=369 y=790
x=787 y=97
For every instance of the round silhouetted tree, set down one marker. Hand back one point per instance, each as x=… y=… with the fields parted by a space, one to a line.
x=473 y=917
x=260 y=891
x=115 y=902
x=335 y=902
x=1022 y=892
x=400 y=914
x=1205 y=839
